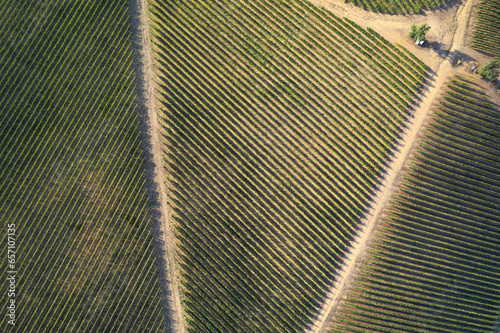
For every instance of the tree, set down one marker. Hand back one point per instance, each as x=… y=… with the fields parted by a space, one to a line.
x=491 y=70
x=419 y=32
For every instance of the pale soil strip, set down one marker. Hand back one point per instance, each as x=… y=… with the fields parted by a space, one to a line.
x=357 y=250
x=153 y=144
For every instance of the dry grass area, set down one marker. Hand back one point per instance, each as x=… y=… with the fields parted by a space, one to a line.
x=153 y=143
x=449 y=37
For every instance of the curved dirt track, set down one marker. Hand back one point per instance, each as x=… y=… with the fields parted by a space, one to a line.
x=151 y=135
x=452 y=27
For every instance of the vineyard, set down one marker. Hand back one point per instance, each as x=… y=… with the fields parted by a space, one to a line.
x=72 y=179
x=486 y=35
x=400 y=7
x=249 y=166
x=279 y=118
x=434 y=266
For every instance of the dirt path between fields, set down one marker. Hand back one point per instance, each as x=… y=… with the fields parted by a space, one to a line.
x=152 y=145
x=447 y=42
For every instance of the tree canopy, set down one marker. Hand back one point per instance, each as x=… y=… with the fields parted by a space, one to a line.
x=491 y=70
x=419 y=32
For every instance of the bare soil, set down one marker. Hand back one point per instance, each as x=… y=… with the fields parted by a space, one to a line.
x=448 y=41
x=153 y=145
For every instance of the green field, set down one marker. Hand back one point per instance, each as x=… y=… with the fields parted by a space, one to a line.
x=279 y=119
x=487 y=27
x=71 y=171
x=398 y=7
x=434 y=266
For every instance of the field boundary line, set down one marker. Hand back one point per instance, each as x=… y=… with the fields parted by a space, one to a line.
x=153 y=145
x=357 y=248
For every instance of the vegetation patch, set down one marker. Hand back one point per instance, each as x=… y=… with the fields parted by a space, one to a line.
x=398 y=6
x=491 y=70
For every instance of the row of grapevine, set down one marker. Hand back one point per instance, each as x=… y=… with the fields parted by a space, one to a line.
x=279 y=117
x=71 y=173
x=486 y=36
x=434 y=265
x=398 y=6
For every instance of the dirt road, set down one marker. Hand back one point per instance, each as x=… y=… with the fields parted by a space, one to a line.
x=449 y=31
x=152 y=142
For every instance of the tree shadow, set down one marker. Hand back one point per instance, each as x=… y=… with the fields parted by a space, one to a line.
x=455 y=56
x=438 y=47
